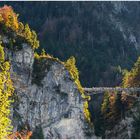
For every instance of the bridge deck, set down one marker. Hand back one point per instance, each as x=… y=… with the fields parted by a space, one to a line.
x=111 y=89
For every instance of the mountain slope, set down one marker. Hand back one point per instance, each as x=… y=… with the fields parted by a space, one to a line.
x=48 y=99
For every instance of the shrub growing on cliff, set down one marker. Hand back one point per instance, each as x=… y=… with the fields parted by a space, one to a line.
x=24 y=134
x=1 y=54
x=9 y=21
x=8 y=17
x=71 y=67
x=6 y=90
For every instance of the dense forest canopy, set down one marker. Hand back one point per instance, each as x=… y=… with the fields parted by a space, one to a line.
x=103 y=36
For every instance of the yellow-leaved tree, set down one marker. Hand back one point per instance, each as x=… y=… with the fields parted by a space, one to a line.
x=6 y=90
x=132 y=78
x=71 y=67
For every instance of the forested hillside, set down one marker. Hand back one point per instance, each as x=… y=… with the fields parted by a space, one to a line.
x=42 y=97
x=103 y=36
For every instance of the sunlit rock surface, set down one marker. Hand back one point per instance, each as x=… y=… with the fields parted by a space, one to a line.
x=55 y=106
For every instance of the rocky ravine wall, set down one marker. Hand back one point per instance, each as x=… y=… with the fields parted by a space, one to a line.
x=55 y=107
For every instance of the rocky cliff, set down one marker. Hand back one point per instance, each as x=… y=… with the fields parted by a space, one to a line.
x=55 y=107
x=48 y=103
x=48 y=98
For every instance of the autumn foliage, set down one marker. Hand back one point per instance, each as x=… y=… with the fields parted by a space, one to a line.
x=8 y=16
x=6 y=91
x=132 y=78
x=24 y=134
x=9 y=21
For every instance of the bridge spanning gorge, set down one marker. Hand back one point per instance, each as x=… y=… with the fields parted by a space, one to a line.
x=96 y=90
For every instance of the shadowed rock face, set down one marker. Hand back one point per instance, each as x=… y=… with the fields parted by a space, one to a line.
x=55 y=107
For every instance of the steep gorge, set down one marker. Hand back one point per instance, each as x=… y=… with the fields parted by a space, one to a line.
x=47 y=96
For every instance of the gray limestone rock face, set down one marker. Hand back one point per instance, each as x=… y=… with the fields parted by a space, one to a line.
x=55 y=106
x=21 y=63
x=54 y=109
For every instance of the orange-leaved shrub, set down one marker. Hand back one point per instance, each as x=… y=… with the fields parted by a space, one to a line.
x=9 y=22
x=9 y=17
x=24 y=134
